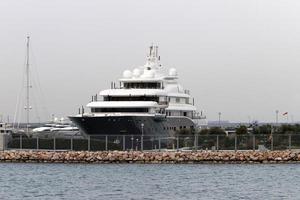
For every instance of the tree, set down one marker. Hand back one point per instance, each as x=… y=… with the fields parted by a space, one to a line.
x=212 y=131
x=184 y=132
x=288 y=128
x=264 y=129
x=204 y=131
x=241 y=130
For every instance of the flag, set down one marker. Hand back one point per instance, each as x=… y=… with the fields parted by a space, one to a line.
x=285 y=113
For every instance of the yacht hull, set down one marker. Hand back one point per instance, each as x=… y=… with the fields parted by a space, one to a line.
x=131 y=125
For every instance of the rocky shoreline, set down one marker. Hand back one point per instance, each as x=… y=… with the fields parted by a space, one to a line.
x=150 y=157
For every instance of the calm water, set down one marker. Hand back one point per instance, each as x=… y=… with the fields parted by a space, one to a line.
x=112 y=181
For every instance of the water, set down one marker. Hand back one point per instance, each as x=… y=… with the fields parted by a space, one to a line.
x=161 y=181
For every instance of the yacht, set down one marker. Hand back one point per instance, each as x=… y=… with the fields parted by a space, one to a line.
x=148 y=101
x=56 y=129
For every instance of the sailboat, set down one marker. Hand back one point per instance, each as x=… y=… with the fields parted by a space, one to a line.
x=16 y=125
x=52 y=129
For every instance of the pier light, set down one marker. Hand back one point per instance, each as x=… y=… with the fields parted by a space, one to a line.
x=132 y=142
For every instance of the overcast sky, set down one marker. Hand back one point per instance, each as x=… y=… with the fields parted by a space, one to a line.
x=240 y=58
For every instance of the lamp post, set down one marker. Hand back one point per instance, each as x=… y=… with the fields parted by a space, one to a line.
x=277 y=111
x=142 y=138
x=132 y=143
x=137 y=143
x=219 y=118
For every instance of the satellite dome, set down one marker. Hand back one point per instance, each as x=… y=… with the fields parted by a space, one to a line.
x=136 y=72
x=127 y=74
x=172 y=72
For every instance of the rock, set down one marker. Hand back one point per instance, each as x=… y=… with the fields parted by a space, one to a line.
x=150 y=157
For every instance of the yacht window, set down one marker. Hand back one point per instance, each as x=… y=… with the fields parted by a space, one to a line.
x=131 y=98
x=96 y=110
x=148 y=85
x=177 y=100
x=187 y=100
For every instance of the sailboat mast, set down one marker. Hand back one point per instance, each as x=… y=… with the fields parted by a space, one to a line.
x=27 y=87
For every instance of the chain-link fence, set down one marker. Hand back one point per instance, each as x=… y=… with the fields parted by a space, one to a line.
x=156 y=143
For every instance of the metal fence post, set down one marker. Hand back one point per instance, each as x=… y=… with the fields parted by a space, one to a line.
x=217 y=142
x=54 y=144
x=106 y=147
x=235 y=143
x=177 y=143
x=37 y=143
x=159 y=145
x=196 y=142
x=71 y=143
x=253 y=142
x=131 y=142
x=89 y=143
x=21 y=145
x=195 y=138
x=124 y=143
x=272 y=143
x=290 y=141
x=142 y=143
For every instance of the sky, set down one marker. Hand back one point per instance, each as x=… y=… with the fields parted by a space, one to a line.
x=240 y=58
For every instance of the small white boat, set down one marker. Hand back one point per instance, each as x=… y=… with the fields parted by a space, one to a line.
x=55 y=129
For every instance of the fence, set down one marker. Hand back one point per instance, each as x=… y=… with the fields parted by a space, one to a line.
x=156 y=143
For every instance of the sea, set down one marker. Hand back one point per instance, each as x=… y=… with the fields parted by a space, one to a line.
x=149 y=181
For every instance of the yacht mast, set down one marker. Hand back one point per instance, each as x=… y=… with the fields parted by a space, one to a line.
x=27 y=87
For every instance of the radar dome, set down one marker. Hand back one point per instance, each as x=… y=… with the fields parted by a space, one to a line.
x=127 y=74
x=136 y=72
x=172 y=72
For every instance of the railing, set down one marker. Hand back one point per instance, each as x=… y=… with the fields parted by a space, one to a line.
x=156 y=143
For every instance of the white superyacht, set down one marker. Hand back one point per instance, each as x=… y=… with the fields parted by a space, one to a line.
x=147 y=102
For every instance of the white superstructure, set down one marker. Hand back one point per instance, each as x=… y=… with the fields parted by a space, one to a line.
x=147 y=90
x=148 y=101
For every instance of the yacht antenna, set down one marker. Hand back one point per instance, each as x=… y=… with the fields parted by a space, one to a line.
x=27 y=107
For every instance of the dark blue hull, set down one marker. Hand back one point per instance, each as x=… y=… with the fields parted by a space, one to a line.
x=131 y=125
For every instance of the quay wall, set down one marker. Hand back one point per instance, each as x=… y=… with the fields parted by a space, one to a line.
x=150 y=157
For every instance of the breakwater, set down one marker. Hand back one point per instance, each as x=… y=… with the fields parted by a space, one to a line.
x=150 y=157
